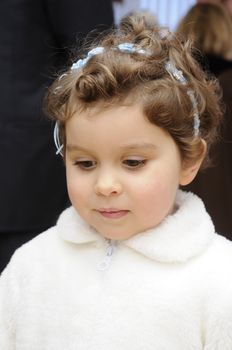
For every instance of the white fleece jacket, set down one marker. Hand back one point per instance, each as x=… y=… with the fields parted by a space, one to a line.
x=169 y=288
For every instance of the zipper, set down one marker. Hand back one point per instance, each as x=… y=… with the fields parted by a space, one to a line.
x=105 y=263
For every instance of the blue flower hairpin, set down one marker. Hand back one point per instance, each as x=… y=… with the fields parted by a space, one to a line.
x=82 y=62
x=124 y=47
x=130 y=48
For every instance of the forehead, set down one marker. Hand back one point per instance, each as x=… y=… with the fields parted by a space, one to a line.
x=121 y=120
x=113 y=129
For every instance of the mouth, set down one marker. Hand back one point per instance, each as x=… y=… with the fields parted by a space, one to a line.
x=112 y=213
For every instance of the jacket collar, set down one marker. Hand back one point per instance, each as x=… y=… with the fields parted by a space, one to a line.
x=180 y=236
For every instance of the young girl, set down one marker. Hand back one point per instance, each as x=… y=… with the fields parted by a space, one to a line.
x=135 y=263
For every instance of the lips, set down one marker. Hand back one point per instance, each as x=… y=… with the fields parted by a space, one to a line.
x=113 y=213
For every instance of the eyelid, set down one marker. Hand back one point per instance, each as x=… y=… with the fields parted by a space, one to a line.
x=82 y=162
x=141 y=162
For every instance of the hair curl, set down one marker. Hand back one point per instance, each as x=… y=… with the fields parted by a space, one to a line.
x=115 y=77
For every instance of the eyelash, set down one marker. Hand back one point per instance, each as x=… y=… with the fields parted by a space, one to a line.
x=131 y=164
x=134 y=163
x=82 y=164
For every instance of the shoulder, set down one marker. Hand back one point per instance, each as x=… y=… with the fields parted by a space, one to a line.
x=221 y=249
x=217 y=308
x=39 y=242
x=218 y=257
x=38 y=250
x=51 y=240
x=25 y=257
x=32 y=265
x=215 y=269
x=53 y=246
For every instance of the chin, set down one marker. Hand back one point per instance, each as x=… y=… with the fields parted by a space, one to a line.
x=116 y=236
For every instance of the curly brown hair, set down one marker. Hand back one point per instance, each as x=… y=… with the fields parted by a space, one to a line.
x=114 y=77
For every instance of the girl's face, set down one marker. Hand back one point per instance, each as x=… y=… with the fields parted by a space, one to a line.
x=122 y=171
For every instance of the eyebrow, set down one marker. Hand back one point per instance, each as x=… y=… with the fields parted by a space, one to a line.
x=134 y=146
x=71 y=147
x=143 y=145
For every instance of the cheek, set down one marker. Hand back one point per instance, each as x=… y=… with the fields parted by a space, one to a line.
x=77 y=188
x=144 y=192
x=156 y=194
x=148 y=193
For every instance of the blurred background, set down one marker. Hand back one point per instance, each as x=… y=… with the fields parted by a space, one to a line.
x=167 y=12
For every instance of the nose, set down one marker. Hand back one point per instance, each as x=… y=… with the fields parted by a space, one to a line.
x=107 y=184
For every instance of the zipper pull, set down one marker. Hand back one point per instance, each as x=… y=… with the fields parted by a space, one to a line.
x=105 y=263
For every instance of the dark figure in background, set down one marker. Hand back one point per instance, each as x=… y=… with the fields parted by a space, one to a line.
x=210 y=27
x=35 y=40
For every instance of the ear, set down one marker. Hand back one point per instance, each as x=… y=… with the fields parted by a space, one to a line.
x=189 y=172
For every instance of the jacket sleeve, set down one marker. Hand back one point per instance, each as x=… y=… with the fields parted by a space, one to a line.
x=8 y=301
x=218 y=325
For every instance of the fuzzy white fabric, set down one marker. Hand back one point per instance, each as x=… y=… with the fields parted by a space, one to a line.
x=169 y=288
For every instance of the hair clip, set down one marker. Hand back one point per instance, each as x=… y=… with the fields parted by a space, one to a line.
x=56 y=137
x=130 y=48
x=82 y=61
x=124 y=47
x=178 y=75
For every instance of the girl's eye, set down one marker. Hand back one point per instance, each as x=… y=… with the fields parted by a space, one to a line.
x=85 y=164
x=134 y=163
